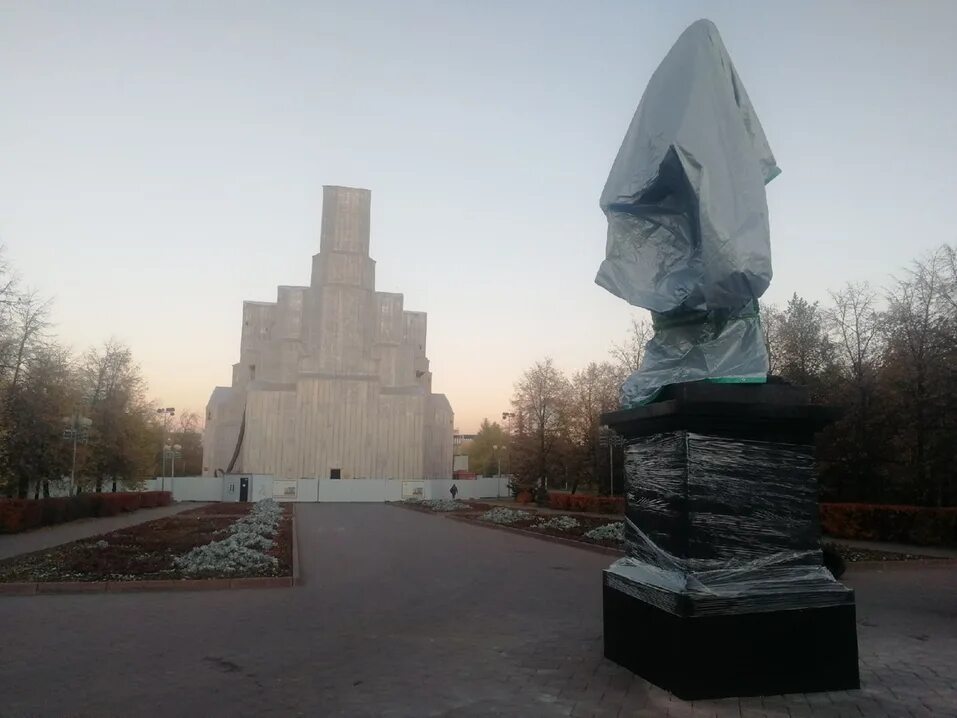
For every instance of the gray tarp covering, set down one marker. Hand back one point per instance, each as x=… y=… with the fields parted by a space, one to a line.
x=688 y=233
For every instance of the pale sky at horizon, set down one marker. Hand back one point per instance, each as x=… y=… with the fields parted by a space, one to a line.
x=161 y=162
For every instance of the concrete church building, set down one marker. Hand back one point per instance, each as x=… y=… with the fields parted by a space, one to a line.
x=332 y=379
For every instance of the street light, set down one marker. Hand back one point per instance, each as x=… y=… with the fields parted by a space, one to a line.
x=507 y=417
x=167 y=413
x=498 y=456
x=172 y=452
x=78 y=429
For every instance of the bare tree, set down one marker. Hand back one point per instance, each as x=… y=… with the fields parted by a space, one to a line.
x=920 y=342
x=771 y=324
x=594 y=390
x=858 y=327
x=628 y=354
x=30 y=318
x=804 y=352
x=540 y=400
x=123 y=422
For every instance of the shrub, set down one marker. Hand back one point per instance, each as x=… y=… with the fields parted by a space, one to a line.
x=581 y=502
x=903 y=524
x=23 y=514
x=524 y=497
x=19 y=515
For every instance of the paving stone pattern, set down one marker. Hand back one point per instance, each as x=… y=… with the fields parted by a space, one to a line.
x=404 y=614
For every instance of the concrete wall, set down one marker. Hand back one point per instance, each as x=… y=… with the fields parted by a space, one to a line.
x=307 y=490
x=480 y=488
x=189 y=488
x=226 y=488
x=360 y=490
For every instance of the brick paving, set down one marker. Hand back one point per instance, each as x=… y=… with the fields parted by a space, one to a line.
x=49 y=536
x=407 y=614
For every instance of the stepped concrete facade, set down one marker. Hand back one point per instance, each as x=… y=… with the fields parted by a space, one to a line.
x=332 y=379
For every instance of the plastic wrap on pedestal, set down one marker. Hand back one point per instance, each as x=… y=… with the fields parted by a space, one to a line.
x=688 y=229
x=726 y=346
x=717 y=525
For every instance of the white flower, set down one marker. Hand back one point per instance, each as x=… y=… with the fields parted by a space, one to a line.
x=243 y=549
x=559 y=523
x=608 y=532
x=501 y=515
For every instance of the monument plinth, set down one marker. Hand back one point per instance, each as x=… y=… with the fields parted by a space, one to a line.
x=722 y=591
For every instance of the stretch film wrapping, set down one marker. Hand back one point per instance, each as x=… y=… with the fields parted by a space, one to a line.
x=717 y=525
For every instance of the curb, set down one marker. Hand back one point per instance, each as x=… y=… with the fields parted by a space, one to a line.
x=35 y=588
x=187 y=584
x=596 y=548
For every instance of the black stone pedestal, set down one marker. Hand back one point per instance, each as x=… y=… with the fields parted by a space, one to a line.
x=746 y=654
x=723 y=591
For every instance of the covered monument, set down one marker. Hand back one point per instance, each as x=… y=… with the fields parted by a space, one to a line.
x=332 y=379
x=722 y=590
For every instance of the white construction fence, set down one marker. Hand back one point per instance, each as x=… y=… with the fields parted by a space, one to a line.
x=256 y=487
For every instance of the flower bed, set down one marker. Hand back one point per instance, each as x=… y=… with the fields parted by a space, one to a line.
x=576 y=527
x=18 y=515
x=235 y=508
x=439 y=505
x=245 y=549
x=442 y=505
x=613 y=532
x=500 y=515
x=148 y=551
x=917 y=525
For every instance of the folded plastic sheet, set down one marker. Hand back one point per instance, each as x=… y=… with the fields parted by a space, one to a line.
x=718 y=526
x=688 y=234
x=693 y=346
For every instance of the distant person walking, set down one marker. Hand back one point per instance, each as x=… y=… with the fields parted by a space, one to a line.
x=453 y=490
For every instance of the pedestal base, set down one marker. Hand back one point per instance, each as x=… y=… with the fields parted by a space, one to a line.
x=747 y=654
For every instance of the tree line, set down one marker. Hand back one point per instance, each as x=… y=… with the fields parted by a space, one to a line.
x=886 y=356
x=47 y=392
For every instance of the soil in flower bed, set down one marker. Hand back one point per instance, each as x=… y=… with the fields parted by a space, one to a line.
x=235 y=508
x=139 y=553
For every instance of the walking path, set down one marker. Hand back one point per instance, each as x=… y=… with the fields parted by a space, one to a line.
x=50 y=536
x=407 y=615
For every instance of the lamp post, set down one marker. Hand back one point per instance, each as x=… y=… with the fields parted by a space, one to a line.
x=78 y=430
x=498 y=456
x=173 y=452
x=167 y=413
x=507 y=417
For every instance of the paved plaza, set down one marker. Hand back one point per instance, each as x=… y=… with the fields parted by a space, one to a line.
x=408 y=614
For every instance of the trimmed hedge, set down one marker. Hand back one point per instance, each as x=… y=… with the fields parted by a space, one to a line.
x=581 y=502
x=24 y=514
x=918 y=525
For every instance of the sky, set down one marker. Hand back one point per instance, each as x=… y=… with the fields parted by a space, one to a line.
x=162 y=162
